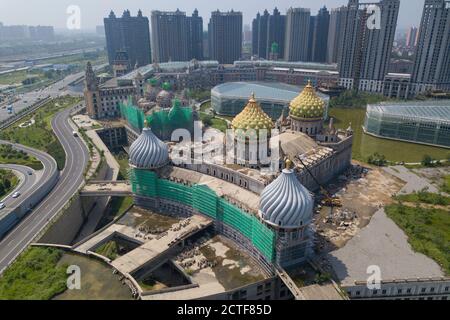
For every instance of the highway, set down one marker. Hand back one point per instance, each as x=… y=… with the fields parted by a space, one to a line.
x=71 y=178
x=52 y=91
x=27 y=178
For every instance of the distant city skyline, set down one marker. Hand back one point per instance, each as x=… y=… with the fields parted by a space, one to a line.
x=50 y=12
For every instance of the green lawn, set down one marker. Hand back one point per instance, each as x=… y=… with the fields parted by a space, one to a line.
x=446 y=185
x=109 y=250
x=8 y=155
x=213 y=122
x=122 y=159
x=428 y=231
x=34 y=276
x=205 y=106
x=425 y=197
x=8 y=181
x=40 y=135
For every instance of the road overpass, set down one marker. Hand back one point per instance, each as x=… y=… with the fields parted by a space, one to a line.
x=70 y=180
x=106 y=189
x=35 y=188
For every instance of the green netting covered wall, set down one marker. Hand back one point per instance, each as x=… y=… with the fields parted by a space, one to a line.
x=133 y=115
x=143 y=182
x=175 y=191
x=206 y=201
x=162 y=123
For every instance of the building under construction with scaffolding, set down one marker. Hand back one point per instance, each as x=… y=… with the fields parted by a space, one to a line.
x=267 y=215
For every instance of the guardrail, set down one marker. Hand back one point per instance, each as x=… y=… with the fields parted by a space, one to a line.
x=23 y=113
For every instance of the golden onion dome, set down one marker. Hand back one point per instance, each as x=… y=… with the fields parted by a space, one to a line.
x=252 y=117
x=307 y=104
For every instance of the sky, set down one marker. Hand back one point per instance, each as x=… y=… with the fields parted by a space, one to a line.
x=53 y=12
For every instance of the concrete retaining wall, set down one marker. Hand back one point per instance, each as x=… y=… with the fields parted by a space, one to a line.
x=70 y=225
x=64 y=230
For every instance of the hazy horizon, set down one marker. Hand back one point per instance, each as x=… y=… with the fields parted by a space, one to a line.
x=52 y=12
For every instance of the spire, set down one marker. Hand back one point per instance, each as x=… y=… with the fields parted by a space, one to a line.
x=288 y=164
x=331 y=128
x=90 y=78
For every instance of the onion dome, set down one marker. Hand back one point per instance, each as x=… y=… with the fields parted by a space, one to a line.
x=164 y=99
x=307 y=104
x=252 y=117
x=148 y=152
x=286 y=203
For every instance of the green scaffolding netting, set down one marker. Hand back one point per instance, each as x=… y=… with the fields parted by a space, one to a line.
x=202 y=198
x=162 y=122
x=133 y=115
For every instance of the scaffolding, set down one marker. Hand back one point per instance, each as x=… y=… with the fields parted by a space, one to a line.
x=162 y=122
x=205 y=201
x=133 y=115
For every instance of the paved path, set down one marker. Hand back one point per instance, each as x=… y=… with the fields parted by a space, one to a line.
x=413 y=181
x=384 y=244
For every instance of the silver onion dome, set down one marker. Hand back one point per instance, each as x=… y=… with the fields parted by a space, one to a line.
x=148 y=152
x=286 y=203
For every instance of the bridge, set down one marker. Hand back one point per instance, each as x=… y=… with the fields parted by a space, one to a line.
x=289 y=283
x=106 y=189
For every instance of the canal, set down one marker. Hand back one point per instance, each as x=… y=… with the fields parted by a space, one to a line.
x=365 y=145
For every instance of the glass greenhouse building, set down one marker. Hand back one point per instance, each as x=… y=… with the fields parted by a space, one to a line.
x=230 y=98
x=426 y=122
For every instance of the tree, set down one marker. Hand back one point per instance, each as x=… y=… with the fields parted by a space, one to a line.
x=427 y=160
x=207 y=120
x=7 y=184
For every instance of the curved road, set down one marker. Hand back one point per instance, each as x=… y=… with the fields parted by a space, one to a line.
x=41 y=176
x=71 y=178
x=24 y=186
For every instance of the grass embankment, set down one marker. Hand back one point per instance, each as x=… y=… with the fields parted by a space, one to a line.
x=354 y=99
x=213 y=122
x=109 y=249
x=40 y=134
x=8 y=155
x=8 y=181
x=446 y=185
x=122 y=160
x=34 y=276
x=428 y=230
x=425 y=197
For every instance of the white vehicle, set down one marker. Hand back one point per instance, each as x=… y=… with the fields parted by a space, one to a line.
x=2 y=206
x=16 y=195
x=75 y=134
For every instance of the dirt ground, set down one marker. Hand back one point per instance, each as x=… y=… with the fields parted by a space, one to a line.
x=362 y=190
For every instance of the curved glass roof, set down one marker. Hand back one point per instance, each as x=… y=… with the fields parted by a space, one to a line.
x=436 y=110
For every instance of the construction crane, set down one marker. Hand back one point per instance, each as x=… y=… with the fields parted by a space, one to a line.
x=329 y=200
